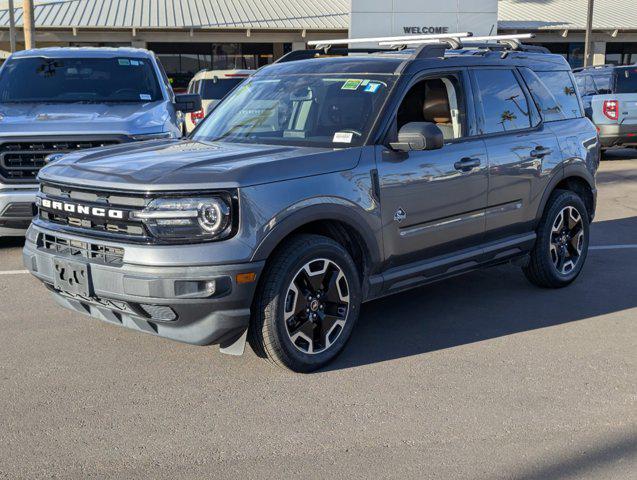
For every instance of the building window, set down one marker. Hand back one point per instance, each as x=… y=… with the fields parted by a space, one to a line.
x=624 y=53
x=573 y=52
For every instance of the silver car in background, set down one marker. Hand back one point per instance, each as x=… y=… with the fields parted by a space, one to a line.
x=609 y=94
x=57 y=100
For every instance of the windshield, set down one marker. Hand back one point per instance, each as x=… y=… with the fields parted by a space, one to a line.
x=216 y=89
x=98 y=80
x=309 y=110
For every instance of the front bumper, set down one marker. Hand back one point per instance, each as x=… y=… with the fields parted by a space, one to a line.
x=160 y=300
x=16 y=210
x=617 y=135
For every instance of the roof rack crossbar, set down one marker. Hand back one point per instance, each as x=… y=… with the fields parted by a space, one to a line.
x=401 y=39
x=317 y=52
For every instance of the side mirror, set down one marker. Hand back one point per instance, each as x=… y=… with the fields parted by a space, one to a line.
x=188 y=102
x=418 y=136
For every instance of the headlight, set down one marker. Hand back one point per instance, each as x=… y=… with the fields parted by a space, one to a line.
x=153 y=136
x=200 y=218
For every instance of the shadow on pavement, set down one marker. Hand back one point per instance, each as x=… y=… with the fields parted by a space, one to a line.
x=617 y=452
x=11 y=242
x=487 y=304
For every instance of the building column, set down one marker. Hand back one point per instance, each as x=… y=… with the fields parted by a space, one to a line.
x=138 y=43
x=298 y=46
x=599 y=53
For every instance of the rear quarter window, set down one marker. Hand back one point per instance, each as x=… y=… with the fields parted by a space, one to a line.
x=546 y=102
x=626 y=80
x=561 y=86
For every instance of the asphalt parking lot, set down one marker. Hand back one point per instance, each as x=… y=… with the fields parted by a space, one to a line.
x=481 y=376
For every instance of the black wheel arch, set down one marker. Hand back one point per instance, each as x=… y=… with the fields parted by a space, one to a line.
x=337 y=221
x=575 y=178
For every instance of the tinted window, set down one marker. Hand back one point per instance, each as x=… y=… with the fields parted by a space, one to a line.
x=562 y=88
x=216 y=89
x=64 y=80
x=503 y=101
x=626 y=80
x=545 y=101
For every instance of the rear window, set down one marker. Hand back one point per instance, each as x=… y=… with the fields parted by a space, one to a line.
x=562 y=88
x=216 y=89
x=626 y=80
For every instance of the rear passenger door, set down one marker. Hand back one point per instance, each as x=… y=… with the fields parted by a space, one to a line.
x=522 y=151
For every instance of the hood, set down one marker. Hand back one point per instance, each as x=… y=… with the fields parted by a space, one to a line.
x=192 y=165
x=82 y=118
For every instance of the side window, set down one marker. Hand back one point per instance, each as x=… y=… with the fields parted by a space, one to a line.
x=435 y=100
x=544 y=99
x=503 y=102
x=562 y=88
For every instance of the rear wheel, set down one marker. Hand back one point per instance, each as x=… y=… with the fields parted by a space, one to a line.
x=307 y=304
x=562 y=243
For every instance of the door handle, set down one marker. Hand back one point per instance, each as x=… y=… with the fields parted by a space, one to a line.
x=540 y=152
x=465 y=164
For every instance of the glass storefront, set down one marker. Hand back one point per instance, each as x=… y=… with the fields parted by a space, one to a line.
x=621 y=53
x=183 y=60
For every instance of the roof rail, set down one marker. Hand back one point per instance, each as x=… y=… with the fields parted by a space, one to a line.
x=325 y=44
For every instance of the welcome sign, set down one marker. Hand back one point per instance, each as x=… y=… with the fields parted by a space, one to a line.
x=377 y=18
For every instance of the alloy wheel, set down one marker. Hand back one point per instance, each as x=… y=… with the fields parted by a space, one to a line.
x=567 y=240
x=316 y=306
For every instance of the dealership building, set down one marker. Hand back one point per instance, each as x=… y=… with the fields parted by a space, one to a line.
x=189 y=35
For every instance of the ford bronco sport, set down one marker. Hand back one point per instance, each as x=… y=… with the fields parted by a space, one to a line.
x=57 y=100
x=322 y=183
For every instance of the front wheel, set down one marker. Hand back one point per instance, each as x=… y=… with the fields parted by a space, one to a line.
x=562 y=242
x=307 y=304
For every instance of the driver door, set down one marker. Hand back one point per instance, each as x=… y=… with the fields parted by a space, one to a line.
x=433 y=202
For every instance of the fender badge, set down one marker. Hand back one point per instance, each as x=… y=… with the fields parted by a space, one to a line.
x=400 y=215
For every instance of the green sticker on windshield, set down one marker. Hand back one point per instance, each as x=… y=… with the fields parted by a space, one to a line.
x=123 y=61
x=351 y=84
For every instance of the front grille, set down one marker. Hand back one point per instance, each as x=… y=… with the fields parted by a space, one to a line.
x=130 y=228
x=73 y=248
x=18 y=210
x=20 y=161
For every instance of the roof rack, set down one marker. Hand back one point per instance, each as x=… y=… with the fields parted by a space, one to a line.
x=455 y=42
x=426 y=46
x=326 y=44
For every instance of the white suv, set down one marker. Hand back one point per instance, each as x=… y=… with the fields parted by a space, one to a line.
x=212 y=86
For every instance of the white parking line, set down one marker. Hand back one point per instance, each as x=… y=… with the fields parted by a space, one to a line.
x=613 y=247
x=13 y=272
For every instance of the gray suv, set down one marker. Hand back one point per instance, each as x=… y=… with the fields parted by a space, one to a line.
x=57 y=100
x=319 y=184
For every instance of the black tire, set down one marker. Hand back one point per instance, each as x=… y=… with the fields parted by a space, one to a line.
x=271 y=334
x=543 y=269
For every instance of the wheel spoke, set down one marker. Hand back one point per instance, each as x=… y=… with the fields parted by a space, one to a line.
x=317 y=305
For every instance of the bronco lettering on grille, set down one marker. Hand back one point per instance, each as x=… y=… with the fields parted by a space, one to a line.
x=81 y=209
